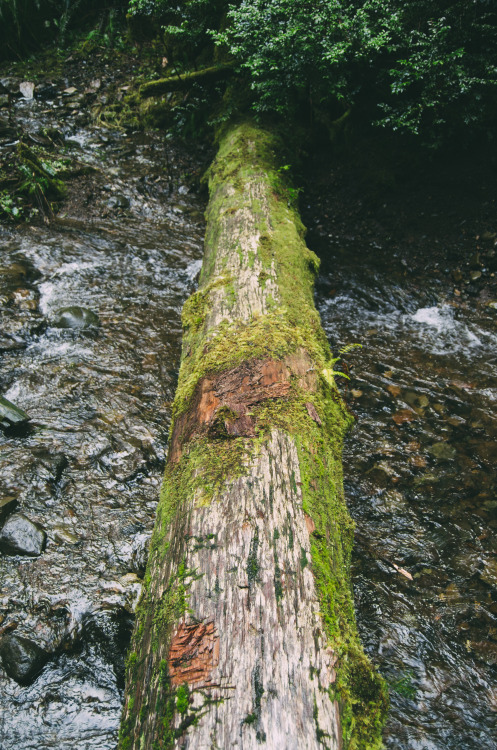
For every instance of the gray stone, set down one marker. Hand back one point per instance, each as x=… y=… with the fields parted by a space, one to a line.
x=77 y=318
x=10 y=414
x=20 y=536
x=22 y=658
x=27 y=89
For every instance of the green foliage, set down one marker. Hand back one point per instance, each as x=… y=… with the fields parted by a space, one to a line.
x=25 y=24
x=424 y=67
x=403 y=685
x=187 y=24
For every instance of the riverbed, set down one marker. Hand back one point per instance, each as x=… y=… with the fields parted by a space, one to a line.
x=419 y=463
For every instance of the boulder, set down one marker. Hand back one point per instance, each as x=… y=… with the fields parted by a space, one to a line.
x=20 y=536
x=22 y=658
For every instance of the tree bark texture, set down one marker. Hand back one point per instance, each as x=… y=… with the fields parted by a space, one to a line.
x=245 y=635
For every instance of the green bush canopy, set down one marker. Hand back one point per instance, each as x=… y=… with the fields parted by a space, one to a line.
x=428 y=67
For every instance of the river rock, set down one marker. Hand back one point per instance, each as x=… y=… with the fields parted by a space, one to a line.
x=442 y=451
x=27 y=89
x=22 y=658
x=77 y=318
x=10 y=414
x=118 y=201
x=8 y=504
x=10 y=343
x=20 y=536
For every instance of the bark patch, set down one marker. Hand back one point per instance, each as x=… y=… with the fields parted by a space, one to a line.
x=193 y=654
x=223 y=401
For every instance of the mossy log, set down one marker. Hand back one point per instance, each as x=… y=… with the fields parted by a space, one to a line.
x=185 y=80
x=245 y=634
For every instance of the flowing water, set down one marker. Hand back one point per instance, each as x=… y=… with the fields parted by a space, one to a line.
x=421 y=487
x=89 y=469
x=419 y=464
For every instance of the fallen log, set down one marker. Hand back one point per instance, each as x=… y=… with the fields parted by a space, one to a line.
x=185 y=80
x=245 y=634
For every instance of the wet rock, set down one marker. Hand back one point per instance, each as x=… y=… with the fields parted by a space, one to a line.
x=489 y=572
x=442 y=451
x=10 y=85
x=118 y=201
x=9 y=343
x=64 y=535
x=22 y=658
x=10 y=414
x=8 y=504
x=139 y=553
x=46 y=90
x=77 y=318
x=20 y=536
x=27 y=89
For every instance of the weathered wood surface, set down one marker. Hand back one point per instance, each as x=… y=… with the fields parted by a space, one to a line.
x=245 y=635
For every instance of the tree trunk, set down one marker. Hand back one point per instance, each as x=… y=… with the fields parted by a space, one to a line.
x=186 y=80
x=245 y=634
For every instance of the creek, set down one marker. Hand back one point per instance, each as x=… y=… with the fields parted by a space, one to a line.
x=419 y=464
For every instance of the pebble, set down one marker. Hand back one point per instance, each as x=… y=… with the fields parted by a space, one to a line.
x=442 y=451
x=118 y=201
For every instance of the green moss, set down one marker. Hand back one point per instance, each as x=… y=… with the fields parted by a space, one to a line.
x=293 y=322
x=182 y=699
x=209 y=462
x=252 y=562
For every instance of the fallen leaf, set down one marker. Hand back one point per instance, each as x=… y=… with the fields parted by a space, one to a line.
x=402 y=571
x=418 y=461
x=311 y=410
x=394 y=390
x=403 y=416
x=460 y=384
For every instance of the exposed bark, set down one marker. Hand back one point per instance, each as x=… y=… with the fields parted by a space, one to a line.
x=245 y=635
x=185 y=80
